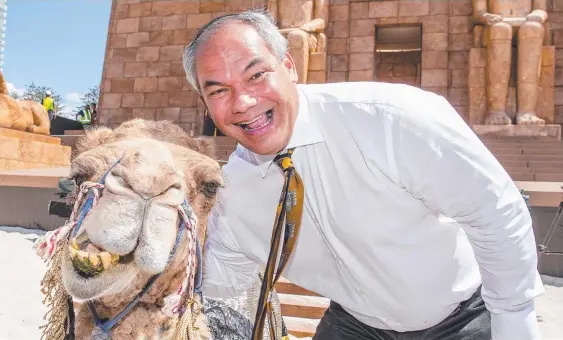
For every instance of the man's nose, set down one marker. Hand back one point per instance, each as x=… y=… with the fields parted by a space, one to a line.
x=243 y=101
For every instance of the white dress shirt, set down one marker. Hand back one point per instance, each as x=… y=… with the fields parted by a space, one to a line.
x=406 y=213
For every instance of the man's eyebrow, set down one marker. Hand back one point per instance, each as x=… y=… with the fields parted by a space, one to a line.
x=209 y=83
x=253 y=63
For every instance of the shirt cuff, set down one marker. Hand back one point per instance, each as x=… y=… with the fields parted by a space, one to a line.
x=520 y=325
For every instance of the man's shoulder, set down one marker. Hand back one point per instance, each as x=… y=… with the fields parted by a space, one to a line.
x=372 y=99
x=361 y=92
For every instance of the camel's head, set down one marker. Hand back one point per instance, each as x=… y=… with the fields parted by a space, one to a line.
x=129 y=234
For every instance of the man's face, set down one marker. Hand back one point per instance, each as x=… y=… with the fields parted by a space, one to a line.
x=250 y=94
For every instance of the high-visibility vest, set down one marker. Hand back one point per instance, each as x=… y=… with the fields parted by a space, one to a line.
x=48 y=104
x=86 y=118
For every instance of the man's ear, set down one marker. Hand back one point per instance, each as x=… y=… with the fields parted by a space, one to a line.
x=290 y=66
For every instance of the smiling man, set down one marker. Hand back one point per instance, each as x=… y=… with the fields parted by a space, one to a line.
x=390 y=205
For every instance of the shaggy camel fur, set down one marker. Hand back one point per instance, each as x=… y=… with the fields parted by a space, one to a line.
x=23 y=115
x=136 y=221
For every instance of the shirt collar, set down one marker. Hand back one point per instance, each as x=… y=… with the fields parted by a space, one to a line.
x=305 y=132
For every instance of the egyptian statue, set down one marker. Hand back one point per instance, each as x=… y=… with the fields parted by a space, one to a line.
x=509 y=23
x=303 y=23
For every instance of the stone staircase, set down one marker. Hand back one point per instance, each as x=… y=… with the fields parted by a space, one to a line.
x=529 y=159
x=23 y=150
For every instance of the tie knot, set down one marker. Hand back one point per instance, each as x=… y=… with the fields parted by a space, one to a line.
x=284 y=160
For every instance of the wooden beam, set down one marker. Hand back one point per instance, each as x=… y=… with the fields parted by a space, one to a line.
x=542 y=194
x=34 y=178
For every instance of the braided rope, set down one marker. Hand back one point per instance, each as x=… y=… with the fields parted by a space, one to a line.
x=84 y=189
x=50 y=247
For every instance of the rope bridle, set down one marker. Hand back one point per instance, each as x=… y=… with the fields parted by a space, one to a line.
x=192 y=283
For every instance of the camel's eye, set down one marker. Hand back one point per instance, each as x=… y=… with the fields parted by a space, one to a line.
x=210 y=189
x=78 y=180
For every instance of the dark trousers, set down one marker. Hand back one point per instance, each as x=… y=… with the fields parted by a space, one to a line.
x=471 y=321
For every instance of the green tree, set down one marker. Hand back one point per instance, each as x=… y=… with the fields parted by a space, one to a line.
x=91 y=96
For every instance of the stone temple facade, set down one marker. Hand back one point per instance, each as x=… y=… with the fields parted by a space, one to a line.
x=426 y=43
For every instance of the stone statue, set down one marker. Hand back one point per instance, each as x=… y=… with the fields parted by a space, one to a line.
x=303 y=23
x=23 y=115
x=505 y=21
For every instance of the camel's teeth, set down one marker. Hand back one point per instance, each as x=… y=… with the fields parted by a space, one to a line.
x=106 y=259
x=94 y=260
x=82 y=255
x=114 y=259
x=73 y=252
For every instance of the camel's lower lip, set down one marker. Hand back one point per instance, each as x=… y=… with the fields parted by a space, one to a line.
x=89 y=260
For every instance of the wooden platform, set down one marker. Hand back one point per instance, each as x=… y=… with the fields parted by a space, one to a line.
x=34 y=178
x=301 y=309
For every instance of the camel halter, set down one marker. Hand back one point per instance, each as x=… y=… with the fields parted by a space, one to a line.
x=192 y=284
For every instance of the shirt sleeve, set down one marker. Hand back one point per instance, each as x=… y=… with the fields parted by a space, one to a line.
x=436 y=157
x=227 y=271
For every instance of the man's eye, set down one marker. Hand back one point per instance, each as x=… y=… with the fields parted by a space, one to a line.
x=216 y=92
x=210 y=189
x=257 y=76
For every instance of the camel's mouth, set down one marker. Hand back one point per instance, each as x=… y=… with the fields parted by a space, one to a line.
x=89 y=260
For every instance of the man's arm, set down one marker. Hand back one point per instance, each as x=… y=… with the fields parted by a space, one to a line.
x=227 y=271
x=436 y=157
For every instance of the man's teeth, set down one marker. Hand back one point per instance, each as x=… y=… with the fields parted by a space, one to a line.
x=267 y=116
x=252 y=121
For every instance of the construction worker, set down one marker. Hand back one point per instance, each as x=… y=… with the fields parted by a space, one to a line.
x=85 y=116
x=49 y=105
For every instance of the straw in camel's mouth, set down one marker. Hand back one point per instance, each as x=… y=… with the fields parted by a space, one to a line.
x=89 y=260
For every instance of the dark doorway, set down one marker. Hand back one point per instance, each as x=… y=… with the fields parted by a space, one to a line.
x=398 y=54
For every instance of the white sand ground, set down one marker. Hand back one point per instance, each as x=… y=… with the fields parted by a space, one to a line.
x=22 y=311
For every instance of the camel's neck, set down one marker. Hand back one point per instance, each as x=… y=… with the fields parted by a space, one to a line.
x=145 y=321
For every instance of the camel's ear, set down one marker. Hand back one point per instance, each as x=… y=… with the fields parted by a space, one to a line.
x=205 y=145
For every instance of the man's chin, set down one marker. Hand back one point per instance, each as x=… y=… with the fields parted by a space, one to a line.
x=269 y=143
x=264 y=146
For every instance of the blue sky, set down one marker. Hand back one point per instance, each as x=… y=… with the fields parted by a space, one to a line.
x=56 y=43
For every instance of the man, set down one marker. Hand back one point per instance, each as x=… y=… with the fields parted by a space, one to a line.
x=84 y=116
x=49 y=105
x=409 y=224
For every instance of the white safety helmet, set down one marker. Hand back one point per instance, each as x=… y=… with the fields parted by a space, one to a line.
x=48 y=93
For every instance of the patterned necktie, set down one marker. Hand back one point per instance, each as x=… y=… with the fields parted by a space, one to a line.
x=288 y=215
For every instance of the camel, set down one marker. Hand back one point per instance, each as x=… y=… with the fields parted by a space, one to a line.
x=146 y=180
x=23 y=115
